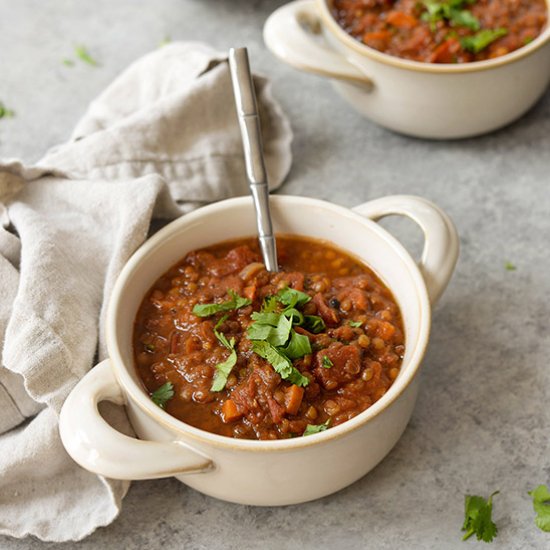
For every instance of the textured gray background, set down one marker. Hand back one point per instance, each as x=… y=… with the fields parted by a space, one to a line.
x=482 y=418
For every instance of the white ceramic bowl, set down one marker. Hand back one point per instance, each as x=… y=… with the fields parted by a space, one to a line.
x=419 y=99
x=260 y=472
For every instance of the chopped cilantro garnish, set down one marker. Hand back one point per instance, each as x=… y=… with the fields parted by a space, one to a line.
x=355 y=324
x=541 y=505
x=280 y=362
x=83 y=54
x=5 y=112
x=235 y=302
x=298 y=346
x=166 y=40
x=223 y=369
x=292 y=298
x=314 y=324
x=163 y=394
x=450 y=10
x=482 y=39
x=316 y=428
x=509 y=266
x=477 y=518
x=326 y=363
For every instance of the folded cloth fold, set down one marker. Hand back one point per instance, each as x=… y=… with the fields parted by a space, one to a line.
x=161 y=140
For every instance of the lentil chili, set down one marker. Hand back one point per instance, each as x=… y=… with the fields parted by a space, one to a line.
x=204 y=329
x=442 y=31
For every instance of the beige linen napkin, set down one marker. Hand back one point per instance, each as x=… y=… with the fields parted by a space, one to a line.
x=161 y=140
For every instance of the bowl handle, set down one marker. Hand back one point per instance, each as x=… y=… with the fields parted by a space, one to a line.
x=101 y=449
x=441 y=244
x=289 y=33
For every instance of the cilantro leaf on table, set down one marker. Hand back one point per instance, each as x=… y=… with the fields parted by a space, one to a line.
x=223 y=369
x=83 y=54
x=541 y=505
x=5 y=112
x=477 y=518
x=482 y=39
x=235 y=302
x=509 y=266
x=316 y=428
x=163 y=394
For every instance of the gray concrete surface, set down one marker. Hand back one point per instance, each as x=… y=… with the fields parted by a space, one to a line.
x=482 y=419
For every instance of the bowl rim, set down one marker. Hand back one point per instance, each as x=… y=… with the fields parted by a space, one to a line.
x=436 y=68
x=190 y=434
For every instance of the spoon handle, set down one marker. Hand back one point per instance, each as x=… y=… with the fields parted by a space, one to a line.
x=249 y=123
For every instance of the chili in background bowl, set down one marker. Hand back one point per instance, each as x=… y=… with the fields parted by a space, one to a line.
x=427 y=100
x=254 y=472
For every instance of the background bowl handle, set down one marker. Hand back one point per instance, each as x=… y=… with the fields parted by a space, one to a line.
x=289 y=33
x=98 y=447
x=441 y=244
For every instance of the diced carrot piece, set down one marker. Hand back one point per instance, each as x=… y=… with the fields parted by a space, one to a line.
x=377 y=39
x=401 y=20
x=446 y=52
x=230 y=411
x=250 y=292
x=293 y=399
x=385 y=330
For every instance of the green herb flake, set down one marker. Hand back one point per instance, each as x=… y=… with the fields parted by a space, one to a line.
x=150 y=347
x=298 y=346
x=292 y=298
x=355 y=324
x=541 y=505
x=326 y=363
x=83 y=54
x=314 y=324
x=223 y=369
x=280 y=362
x=477 y=518
x=316 y=428
x=163 y=394
x=68 y=62
x=482 y=39
x=527 y=40
x=235 y=302
x=464 y=18
x=509 y=266
x=5 y=112
x=166 y=40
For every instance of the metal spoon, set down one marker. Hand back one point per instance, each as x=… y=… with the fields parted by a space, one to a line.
x=249 y=123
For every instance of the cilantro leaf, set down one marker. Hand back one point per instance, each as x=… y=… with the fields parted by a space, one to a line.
x=294 y=315
x=235 y=302
x=541 y=505
x=269 y=305
x=355 y=324
x=280 y=362
x=482 y=39
x=509 y=266
x=326 y=363
x=163 y=394
x=464 y=18
x=5 y=112
x=316 y=428
x=314 y=324
x=83 y=54
x=477 y=518
x=292 y=298
x=223 y=369
x=298 y=346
